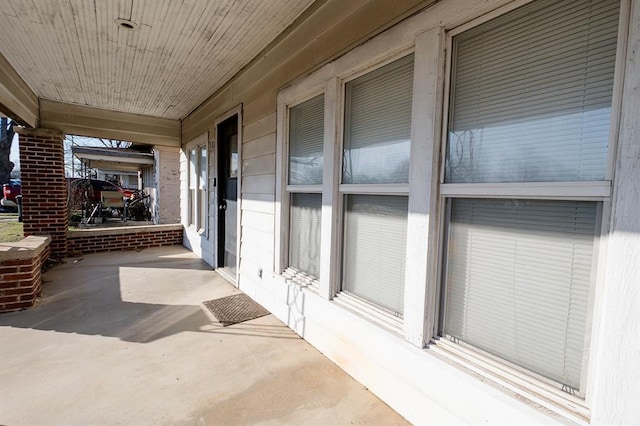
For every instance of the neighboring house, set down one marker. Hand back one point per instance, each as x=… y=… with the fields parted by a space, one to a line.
x=442 y=197
x=127 y=180
x=150 y=171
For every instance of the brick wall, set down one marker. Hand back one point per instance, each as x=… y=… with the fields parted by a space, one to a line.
x=167 y=177
x=44 y=187
x=21 y=272
x=123 y=238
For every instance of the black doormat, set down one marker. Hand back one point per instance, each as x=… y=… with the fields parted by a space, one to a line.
x=234 y=309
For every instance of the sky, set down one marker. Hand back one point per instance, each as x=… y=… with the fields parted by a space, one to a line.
x=15 y=154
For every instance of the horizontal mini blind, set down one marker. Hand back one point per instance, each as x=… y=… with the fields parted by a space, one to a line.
x=532 y=93
x=306 y=140
x=304 y=236
x=202 y=189
x=192 y=165
x=375 y=238
x=518 y=281
x=378 y=125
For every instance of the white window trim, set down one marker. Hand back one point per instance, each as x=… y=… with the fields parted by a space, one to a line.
x=304 y=188
x=512 y=377
x=197 y=143
x=584 y=191
x=284 y=189
x=330 y=80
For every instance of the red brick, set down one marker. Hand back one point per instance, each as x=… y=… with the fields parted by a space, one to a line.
x=16 y=277
x=14 y=306
x=19 y=291
x=17 y=262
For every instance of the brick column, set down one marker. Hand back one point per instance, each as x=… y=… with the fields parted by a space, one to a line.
x=44 y=187
x=167 y=177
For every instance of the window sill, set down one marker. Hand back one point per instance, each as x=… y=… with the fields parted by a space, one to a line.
x=370 y=312
x=517 y=382
x=200 y=231
x=299 y=278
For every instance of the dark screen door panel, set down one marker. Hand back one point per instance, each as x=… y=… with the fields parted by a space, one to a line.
x=228 y=194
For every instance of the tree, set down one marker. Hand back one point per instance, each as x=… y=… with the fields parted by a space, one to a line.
x=114 y=143
x=6 y=137
x=73 y=167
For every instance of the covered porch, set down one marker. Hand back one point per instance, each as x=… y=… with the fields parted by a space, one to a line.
x=478 y=265
x=122 y=338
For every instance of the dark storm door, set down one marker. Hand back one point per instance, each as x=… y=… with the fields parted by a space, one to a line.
x=228 y=162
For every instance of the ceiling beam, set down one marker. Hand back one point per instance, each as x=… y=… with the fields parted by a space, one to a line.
x=101 y=123
x=17 y=100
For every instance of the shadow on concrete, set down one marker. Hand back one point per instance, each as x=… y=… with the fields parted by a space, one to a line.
x=110 y=294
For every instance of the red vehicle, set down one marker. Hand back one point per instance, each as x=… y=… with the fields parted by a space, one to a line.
x=9 y=192
x=95 y=187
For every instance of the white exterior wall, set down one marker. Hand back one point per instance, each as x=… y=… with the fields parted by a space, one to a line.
x=617 y=386
x=420 y=383
x=258 y=195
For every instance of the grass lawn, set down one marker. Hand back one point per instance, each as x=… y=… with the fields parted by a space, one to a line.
x=10 y=231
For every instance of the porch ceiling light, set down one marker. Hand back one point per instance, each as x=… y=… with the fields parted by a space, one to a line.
x=126 y=24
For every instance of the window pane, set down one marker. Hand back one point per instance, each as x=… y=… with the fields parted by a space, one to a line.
x=378 y=125
x=531 y=98
x=375 y=235
x=202 y=192
x=233 y=156
x=305 y=221
x=306 y=140
x=518 y=281
x=193 y=184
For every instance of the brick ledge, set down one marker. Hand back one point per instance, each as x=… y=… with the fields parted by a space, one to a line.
x=29 y=247
x=123 y=230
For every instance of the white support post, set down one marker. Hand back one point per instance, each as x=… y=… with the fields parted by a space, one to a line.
x=329 y=263
x=423 y=183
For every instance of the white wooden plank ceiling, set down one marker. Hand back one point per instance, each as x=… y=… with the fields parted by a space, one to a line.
x=183 y=50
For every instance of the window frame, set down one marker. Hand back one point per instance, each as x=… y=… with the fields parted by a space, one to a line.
x=427 y=44
x=201 y=185
x=386 y=317
x=332 y=84
x=284 y=189
x=509 y=375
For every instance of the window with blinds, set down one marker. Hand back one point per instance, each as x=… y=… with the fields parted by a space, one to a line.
x=378 y=125
x=531 y=96
x=193 y=186
x=377 y=140
x=304 y=235
x=197 y=175
x=202 y=188
x=306 y=141
x=375 y=233
x=306 y=136
x=518 y=281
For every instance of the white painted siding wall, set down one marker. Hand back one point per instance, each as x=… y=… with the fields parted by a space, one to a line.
x=617 y=367
x=419 y=383
x=258 y=195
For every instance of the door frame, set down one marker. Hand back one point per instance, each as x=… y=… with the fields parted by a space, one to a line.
x=237 y=110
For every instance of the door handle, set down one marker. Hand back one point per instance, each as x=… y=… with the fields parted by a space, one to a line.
x=222 y=207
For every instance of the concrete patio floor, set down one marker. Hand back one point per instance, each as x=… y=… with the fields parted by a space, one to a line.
x=123 y=338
